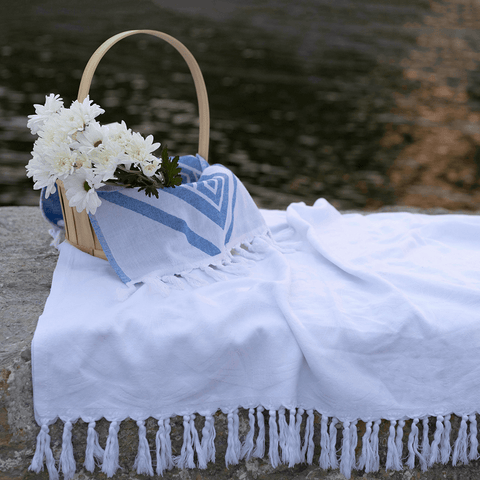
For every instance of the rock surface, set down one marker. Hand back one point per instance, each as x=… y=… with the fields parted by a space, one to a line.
x=26 y=267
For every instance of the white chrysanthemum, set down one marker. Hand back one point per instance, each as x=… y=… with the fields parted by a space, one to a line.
x=106 y=159
x=52 y=132
x=119 y=133
x=53 y=104
x=79 y=115
x=139 y=149
x=150 y=166
x=61 y=160
x=82 y=160
x=86 y=109
x=81 y=190
x=92 y=137
x=41 y=174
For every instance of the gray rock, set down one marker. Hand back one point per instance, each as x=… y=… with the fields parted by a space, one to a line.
x=26 y=268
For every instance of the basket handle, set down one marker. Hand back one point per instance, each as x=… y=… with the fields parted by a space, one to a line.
x=200 y=87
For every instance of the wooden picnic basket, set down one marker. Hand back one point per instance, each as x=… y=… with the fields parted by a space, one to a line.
x=78 y=229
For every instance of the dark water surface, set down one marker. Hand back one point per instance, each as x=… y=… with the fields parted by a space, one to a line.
x=315 y=98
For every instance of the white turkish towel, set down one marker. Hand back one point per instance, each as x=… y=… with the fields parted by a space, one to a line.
x=193 y=225
x=354 y=317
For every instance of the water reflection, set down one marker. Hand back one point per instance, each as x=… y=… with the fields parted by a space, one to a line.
x=437 y=127
x=365 y=105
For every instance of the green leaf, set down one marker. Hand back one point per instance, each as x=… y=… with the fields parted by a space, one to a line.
x=170 y=170
x=135 y=178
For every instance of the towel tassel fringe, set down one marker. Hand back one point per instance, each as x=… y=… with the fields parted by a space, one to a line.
x=93 y=451
x=473 y=453
x=435 y=454
x=260 y=444
x=274 y=439
x=283 y=436
x=208 y=439
x=461 y=444
x=67 y=461
x=445 y=447
x=248 y=446
x=143 y=460
x=324 y=461
x=110 y=459
x=163 y=446
x=308 y=447
x=234 y=447
x=42 y=451
x=347 y=460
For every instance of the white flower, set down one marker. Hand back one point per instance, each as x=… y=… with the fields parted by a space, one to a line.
x=81 y=190
x=92 y=137
x=150 y=167
x=41 y=175
x=53 y=104
x=119 y=133
x=60 y=159
x=87 y=110
x=74 y=147
x=139 y=149
x=52 y=132
x=78 y=116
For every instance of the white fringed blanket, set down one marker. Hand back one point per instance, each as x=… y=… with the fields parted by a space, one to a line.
x=354 y=317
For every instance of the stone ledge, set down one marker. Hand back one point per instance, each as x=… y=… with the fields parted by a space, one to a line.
x=26 y=268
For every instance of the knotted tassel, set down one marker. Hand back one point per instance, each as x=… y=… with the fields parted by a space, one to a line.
x=260 y=445
x=460 y=448
x=298 y=437
x=110 y=459
x=446 y=448
x=248 y=254
x=324 y=444
x=208 y=438
x=366 y=447
x=143 y=460
x=201 y=457
x=393 y=462
x=194 y=280
x=42 y=451
x=283 y=435
x=93 y=450
x=248 y=445
x=163 y=446
x=346 y=462
x=234 y=269
x=156 y=286
x=333 y=442
x=413 y=448
x=273 y=448
x=67 y=461
x=186 y=457
x=425 y=440
x=353 y=442
x=293 y=441
x=214 y=273
x=399 y=441
x=473 y=453
x=437 y=438
x=174 y=281
x=232 y=456
x=308 y=445
x=375 y=457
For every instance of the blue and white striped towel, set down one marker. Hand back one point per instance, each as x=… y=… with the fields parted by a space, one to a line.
x=194 y=225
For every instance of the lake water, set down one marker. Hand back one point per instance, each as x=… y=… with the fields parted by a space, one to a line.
x=365 y=103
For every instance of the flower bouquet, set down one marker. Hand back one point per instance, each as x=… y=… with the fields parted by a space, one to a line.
x=76 y=149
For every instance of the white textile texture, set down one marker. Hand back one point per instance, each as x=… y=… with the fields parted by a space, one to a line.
x=355 y=317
